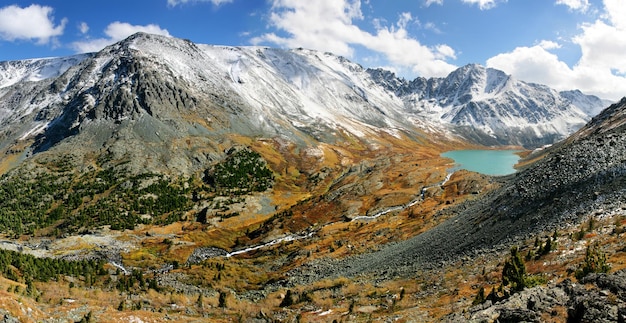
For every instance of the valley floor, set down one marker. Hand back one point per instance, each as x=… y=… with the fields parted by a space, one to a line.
x=301 y=279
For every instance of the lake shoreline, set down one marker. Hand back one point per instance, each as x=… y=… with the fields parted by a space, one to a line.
x=485 y=161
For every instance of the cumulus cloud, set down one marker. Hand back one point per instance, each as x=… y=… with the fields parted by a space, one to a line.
x=483 y=4
x=116 y=31
x=329 y=25
x=601 y=69
x=534 y=64
x=173 y=3
x=577 y=5
x=34 y=22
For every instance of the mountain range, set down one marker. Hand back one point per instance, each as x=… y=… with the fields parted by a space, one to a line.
x=160 y=89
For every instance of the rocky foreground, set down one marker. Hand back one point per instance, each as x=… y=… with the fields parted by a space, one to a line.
x=596 y=298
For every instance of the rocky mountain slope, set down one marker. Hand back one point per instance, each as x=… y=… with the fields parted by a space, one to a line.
x=146 y=94
x=599 y=298
x=33 y=70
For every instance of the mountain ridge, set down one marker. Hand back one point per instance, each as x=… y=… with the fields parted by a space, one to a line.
x=494 y=108
x=303 y=95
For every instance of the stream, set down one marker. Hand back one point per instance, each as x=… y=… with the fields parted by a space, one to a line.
x=403 y=206
x=203 y=253
x=287 y=238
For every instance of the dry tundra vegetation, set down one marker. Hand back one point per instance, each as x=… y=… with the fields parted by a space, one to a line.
x=139 y=230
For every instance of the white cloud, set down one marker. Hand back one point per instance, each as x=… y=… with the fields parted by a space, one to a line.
x=603 y=46
x=116 y=31
x=534 y=64
x=173 y=3
x=432 y=27
x=578 y=5
x=83 y=27
x=404 y=20
x=615 y=13
x=548 y=44
x=34 y=22
x=484 y=4
x=601 y=69
x=427 y=3
x=328 y=25
x=445 y=51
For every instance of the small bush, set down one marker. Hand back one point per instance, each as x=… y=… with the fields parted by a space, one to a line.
x=480 y=297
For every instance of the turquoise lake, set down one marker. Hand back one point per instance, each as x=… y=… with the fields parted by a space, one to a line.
x=489 y=162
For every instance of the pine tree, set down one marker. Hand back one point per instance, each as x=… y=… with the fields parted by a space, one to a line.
x=595 y=262
x=200 y=301
x=514 y=271
x=288 y=300
x=480 y=297
x=222 y=299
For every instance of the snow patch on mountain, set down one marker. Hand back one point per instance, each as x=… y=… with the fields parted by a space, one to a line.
x=35 y=130
x=33 y=70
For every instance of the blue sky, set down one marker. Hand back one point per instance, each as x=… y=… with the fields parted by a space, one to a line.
x=566 y=44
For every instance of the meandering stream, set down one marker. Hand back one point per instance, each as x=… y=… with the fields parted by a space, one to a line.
x=215 y=252
x=403 y=206
x=287 y=238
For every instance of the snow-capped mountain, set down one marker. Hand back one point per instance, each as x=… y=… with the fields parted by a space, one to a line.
x=492 y=107
x=33 y=70
x=148 y=94
x=590 y=104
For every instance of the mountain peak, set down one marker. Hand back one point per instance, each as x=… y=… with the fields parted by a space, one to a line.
x=142 y=37
x=493 y=107
x=471 y=67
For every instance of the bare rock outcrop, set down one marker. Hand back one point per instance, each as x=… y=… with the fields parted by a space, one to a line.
x=596 y=298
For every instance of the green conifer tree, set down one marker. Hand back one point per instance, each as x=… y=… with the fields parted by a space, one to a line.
x=514 y=271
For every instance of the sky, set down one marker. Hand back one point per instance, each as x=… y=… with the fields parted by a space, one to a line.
x=565 y=44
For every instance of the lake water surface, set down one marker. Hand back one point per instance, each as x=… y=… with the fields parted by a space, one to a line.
x=489 y=162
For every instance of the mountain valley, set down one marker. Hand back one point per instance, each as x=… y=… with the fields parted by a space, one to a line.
x=253 y=184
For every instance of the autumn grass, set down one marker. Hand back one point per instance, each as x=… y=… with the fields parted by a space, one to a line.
x=400 y=168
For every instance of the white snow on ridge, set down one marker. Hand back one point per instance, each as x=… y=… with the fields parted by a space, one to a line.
x=276 y=91
x=301 y=85
x=35 y=130
x=306 y=86
x=12 y=72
